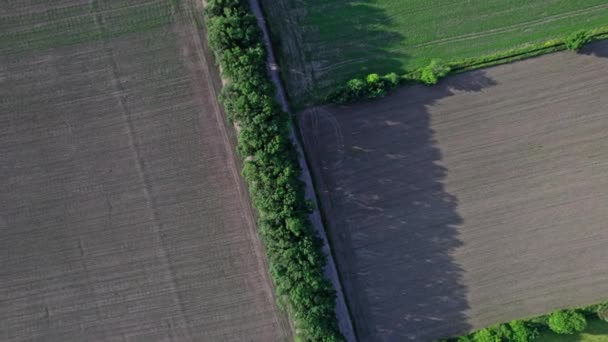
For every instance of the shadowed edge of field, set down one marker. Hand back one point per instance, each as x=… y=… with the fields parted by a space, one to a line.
x=308 y=71
x=598 y=49
x=393 y=233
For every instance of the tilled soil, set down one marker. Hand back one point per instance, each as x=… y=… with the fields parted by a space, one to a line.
x=122 y=214
x=476 y=201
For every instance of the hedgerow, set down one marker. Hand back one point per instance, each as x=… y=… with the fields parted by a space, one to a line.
x=568 y=321
x=272 y=172
x=431 y=73
x=358 y=89
x=577 y=40
x=515 y=331
x=374 y=86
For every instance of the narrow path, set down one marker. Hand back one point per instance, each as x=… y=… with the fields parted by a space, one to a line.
x=342 y=313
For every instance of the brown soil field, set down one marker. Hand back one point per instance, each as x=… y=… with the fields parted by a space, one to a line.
x=476 y=201
x=122 y=213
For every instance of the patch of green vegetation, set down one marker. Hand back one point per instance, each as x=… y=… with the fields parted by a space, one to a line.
x=271 y=169
x=338 y=40
x=597 y=331
x=432 y=73
x=577 y=40
x=580 y=324
x=78 y=24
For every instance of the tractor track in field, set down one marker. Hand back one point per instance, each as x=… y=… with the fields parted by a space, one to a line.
x=512 y=27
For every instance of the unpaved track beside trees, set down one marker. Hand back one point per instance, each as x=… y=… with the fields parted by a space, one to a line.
x=122 y=216
x=342 y=312
x=476 y=201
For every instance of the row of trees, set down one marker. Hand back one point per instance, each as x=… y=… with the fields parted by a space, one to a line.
x=569 y=321
x=272 y=171
x=375 y=86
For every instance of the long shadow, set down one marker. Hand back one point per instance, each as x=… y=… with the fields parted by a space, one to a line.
x=392 y=224
x=599 y=49
x=323 y=43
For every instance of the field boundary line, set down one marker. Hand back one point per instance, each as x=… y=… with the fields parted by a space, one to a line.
x=331 y=272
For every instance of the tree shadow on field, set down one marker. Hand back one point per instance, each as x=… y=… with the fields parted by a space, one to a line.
x=598 y=49
x=354 y=40
x=324 y=43
x=392 y=224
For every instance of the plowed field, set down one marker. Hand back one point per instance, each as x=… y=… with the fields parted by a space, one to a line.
x=476 y=201
x=122 y=213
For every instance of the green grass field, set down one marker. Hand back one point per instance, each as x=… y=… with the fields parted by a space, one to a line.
x=597 y=331
x=324 y=42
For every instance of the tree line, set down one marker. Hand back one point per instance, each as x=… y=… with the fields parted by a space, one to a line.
x=563 y=322
x=271 y=169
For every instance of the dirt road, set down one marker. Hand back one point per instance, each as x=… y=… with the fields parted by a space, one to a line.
x=342 y=312
x=476 y=201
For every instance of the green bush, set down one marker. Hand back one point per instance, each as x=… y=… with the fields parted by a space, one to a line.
x=356 y=88
x=486 y=335
x=433 y=72
x=375 y=86
x=577 y=40
x=391 y=80
x=271 y=169
x=522 y=332
x=515 y=331
x=567 y=322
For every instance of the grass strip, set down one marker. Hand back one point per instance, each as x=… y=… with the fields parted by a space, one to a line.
x=376 y=86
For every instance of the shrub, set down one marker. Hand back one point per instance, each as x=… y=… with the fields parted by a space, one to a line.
x=567 y=322
x=577 y=40
x=271 y=169
x=356 y=88
x=433 y=72
x=391 y=80
x=522 y=332
x=486 y=335
x=602 y=312
x=375 y=86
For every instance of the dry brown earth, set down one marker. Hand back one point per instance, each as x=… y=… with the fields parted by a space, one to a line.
x=479 y=200
x=122 y=215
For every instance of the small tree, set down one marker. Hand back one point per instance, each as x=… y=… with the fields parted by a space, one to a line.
x=375 y=86
x=522 y=332
x=577 y=40
x=486 y=335
x=355 y=88
x=567 y=322
x=391 y=79
x=434 y=71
